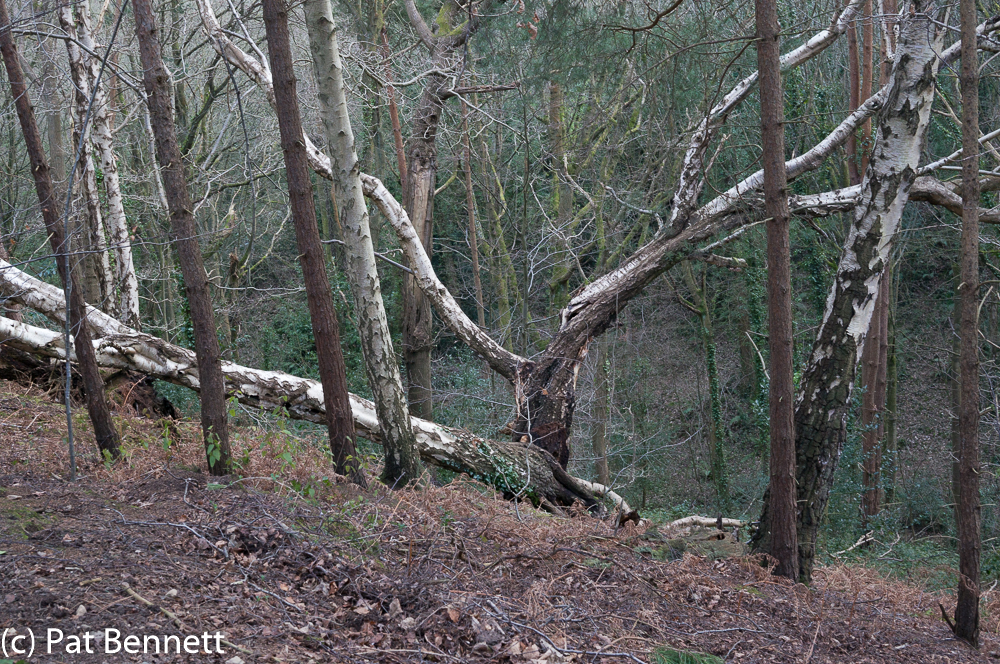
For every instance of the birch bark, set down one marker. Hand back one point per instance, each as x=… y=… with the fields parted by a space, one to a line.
x=376 y=341
x=125 y=302
x=828 y=378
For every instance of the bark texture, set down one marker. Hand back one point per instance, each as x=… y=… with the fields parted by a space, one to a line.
x=89 y=236
x=783 y=544
x=401 y=464
x=214 y=424
x=326 y=331
x=97 y=406
x=969 y=517
x=828 y=378
x=513 y=469
x=874 y=362
x=125 y=289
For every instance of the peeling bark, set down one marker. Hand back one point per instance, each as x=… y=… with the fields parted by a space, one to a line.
x=126 y=304
x=828 y=378
x=514 y=470
x=91 y=240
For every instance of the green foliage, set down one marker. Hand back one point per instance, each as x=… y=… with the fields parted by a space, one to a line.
x=664 y=655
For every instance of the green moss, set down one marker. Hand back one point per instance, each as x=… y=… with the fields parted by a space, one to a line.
x=22 y=518
x=671 y=656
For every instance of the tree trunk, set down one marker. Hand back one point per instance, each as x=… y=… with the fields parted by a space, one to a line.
x=418 y=199
x=969 y=545
x=512 y=469
x=97 y=406
x=418 y=195
x=470 y=204
x=126 y=303
x=214 y=424
x=867 y=70
x=326 y=332
x=716 y=452
x=90 y=240
x=599 y=435
x=397 y=130
x=828 y=378
x=873 y=380
x=562 y=202
x=781 y=524
x=854 y=173
x=401 y=464
x=892 y=381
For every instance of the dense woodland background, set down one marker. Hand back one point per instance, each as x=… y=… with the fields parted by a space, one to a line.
x=572 y=158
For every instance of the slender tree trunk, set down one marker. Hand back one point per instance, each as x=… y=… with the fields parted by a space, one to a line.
x=397 y=130
x=716 y=452
x=470 y=203
x=91 y=240
x=562 y=201
x=418 y=199
x=969 y=545
x=892 y=381
x=97 y=406
x=854 y=173
x=325 y=329
x=873 y=379
x=214 y=424
x=867 y=71
x=125 y=304
x=401 y=459
x=418 y=195
x=599 y=436
x=782 y=524
x=828 y=377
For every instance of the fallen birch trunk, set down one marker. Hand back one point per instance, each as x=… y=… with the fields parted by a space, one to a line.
x=513 y=469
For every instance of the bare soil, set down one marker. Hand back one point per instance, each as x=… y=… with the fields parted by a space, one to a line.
x=291 y=564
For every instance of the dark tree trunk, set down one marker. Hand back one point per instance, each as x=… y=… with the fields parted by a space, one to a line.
x=967 y=610
x=418 y=199
x=599 y=435
x=326 y=331
x=97 y=406
x=828 y=377
x=873 y=379
x=867 y=70
x=854 y=99
x=783 y=545
x=214 y=424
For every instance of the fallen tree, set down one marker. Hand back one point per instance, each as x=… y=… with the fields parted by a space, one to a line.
x=516 y=470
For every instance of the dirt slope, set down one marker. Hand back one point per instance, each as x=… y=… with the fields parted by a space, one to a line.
x=445 y=574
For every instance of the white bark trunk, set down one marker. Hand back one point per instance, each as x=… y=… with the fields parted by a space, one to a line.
x=126 y=304
x=381 y=366
x=516 y=470
x=94 y=240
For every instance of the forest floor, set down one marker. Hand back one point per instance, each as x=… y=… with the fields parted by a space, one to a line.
x=289 y=565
